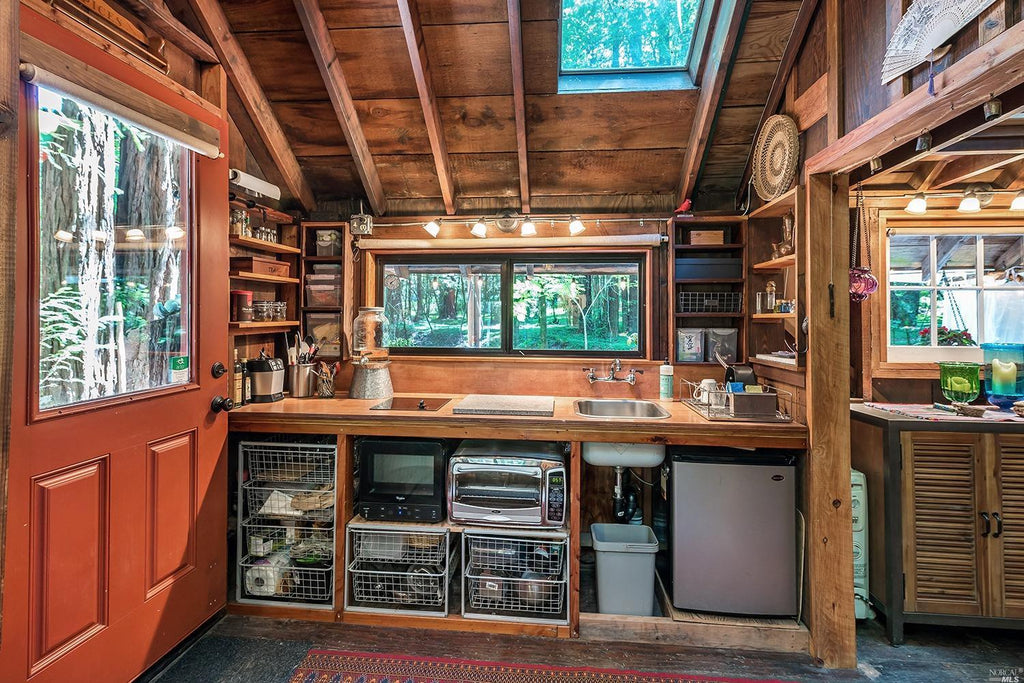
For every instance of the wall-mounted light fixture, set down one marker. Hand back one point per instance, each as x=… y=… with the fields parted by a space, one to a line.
x=1018 y=202
x=174 y=232
x=970 y=203
x=918 y=204
x=134 y=235
x=432 y=228
x=479 y=229
x=528 y=229
x=576 y=226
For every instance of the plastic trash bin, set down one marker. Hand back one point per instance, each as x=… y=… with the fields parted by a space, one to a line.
x=625 y=568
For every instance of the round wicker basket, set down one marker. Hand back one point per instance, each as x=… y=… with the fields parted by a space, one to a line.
x=776 y=157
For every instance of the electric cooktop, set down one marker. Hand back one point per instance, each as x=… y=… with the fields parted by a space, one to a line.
x=412 y=404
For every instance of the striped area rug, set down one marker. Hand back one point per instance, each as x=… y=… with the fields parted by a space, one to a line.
x=330 y=666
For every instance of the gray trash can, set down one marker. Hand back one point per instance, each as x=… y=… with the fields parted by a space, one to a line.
x=625 y=568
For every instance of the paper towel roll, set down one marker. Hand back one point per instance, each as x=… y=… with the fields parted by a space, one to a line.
x=269 y=577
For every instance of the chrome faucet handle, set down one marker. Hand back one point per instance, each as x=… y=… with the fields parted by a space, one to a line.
x=616 y=365
x=636 y=372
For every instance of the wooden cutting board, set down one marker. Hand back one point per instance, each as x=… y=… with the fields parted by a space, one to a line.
x=489 y=404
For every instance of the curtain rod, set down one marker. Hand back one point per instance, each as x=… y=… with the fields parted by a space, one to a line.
x=651 y=240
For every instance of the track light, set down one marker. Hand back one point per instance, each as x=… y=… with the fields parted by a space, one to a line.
x=970 y=203
x=1018 y=202
x=63 y=236
x=174 y=232
x=479 y=230
x=528 y=228
x=134 y=235
x=432 y=228
x=576 y=226
x=918 y=205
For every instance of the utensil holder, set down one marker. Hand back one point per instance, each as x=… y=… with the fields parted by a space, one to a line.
x=325 y=384
x=302 y=380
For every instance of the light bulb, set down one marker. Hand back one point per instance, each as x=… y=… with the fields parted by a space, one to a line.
x=576 y=226
x=174 y=232
x=479 y=230
x=433 y=228
x=918 y=204
x=99 y=236
x=134 y=235
x=528 y=229
x=63 y=236
x=1018 y=202
x=969 y=204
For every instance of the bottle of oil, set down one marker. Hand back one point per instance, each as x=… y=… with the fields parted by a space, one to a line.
x=246 y=384
x=237 y=380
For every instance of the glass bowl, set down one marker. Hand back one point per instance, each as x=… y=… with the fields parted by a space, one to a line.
x=960 y=382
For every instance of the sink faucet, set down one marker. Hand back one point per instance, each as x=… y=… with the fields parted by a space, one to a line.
x=615 y=368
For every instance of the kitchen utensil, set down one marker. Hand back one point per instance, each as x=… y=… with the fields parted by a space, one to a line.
x=704 y=390
x=325 y=380
x=302 y=380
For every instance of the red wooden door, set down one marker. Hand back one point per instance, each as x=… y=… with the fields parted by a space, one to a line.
x=117 y=508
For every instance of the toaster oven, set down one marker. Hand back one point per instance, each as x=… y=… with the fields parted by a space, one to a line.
x=507 y=483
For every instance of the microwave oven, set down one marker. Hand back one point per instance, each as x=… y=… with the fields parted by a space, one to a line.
x=507 y=483
x=401 y=479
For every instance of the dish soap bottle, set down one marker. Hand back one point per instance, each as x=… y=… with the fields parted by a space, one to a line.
x=666 y=385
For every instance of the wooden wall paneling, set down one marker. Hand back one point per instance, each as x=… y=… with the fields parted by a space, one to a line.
x=248 y=88
x=414 y=42
x=515 y=41
x=408 y=175
x=829 y=521
x=812 y=59
x=9 y=85
x=479 y=124
x=865 y=37
x=470 y=59
x=541 y=57
x=834 y=45
x=332 y=175
x=485 y=175
x=319 y=37
x=994 y=20
x=372 y=66
x=737 y=125
x=312 y=127
x=599 y=172
x=715 y=76
x=813 y=105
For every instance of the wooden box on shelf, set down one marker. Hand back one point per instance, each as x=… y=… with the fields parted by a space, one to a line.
x=707 y=237
x=260 y=265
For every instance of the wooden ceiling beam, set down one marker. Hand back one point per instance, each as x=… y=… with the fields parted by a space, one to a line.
x=962 y=169
x=232 y=58
x=515 y=39
x=928 y=182
x=413 y=32
x=155 y=14
x=319 y=36
x=1010 y=177
x=714 y=79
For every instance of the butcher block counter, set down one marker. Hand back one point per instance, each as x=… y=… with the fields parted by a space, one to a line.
x=355 y=417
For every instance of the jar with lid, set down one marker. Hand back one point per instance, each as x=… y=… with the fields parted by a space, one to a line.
x=369 y=334
x=280 y=311
x=262 y=311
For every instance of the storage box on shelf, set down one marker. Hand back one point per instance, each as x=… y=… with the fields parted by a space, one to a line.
x=327 y=275
x=286 y=543
x=707 y=265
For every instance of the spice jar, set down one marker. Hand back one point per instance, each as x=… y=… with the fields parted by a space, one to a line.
x=262 y=311
x=280 y=311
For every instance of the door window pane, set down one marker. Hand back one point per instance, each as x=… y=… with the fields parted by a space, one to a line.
x=1004 y=316
x=910 y=318
x=443 y=306
x=576 y=306
x=113 y=256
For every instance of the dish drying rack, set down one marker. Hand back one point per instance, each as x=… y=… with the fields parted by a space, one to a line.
x=714 y=405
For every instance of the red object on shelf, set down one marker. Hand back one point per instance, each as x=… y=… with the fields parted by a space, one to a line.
x=685 y=206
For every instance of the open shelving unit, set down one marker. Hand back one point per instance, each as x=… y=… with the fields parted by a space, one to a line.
x=318 y=315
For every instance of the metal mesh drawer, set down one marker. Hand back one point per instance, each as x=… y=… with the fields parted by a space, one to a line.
x=287 y=502
x=294 y=463
x=710 y=302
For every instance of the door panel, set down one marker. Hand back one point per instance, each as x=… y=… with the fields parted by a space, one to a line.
x=170 y=510
x=942 y=485
x=1011 y=459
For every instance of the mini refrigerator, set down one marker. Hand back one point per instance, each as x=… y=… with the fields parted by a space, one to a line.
x=733 y=531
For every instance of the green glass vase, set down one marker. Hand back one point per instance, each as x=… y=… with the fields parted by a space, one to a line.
x=960 y=382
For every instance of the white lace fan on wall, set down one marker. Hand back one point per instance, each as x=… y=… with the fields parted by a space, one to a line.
x=923 y=30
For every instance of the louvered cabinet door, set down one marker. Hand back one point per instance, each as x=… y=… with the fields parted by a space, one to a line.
x=943 y=485
x=1011 y=510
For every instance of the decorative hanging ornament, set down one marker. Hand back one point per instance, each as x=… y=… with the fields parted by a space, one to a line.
x=862 y=283
x=776 y=156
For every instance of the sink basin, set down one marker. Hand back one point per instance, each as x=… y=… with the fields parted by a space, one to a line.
x=623 y=454
x=619 y=409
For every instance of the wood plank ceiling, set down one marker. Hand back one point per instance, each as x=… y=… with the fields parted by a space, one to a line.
x=595 y=152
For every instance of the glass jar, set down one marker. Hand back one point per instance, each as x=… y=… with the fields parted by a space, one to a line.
x=280 y=311
x=1004 y=373
x=368 y=335
x=262 y=311
x=960 y=382
x=237 y=222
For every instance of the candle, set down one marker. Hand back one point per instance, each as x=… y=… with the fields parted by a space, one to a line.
x=1004 y=377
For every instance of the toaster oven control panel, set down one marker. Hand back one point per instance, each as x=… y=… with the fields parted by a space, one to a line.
x=556 y=496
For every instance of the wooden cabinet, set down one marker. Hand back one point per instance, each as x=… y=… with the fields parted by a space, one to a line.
x=946 y=504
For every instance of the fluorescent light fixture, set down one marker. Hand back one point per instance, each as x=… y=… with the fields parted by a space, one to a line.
x=134 y=235
x=63 y=236
x=251 y=183
x=969 y=204
x=432 y=228
x=528 y=229
x=576 y=226
x=1018 y=202
x=918 y=205
x=174 y=232
x=479 y=230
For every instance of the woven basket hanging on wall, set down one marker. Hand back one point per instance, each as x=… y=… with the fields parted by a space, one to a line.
x=776 y=157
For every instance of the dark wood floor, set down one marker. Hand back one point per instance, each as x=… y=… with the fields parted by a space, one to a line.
x=265 y=651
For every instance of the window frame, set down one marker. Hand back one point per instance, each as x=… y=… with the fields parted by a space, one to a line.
x=189 y=270
x=507 y=262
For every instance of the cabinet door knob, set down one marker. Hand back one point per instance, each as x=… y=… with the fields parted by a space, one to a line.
x=988 y=524
x=999 y=524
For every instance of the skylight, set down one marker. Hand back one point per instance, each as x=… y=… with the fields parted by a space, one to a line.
x=621 y=36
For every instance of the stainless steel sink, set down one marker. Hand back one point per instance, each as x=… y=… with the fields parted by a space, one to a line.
x=609 y=409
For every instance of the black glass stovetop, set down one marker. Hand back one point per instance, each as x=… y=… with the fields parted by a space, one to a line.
x=412 y=404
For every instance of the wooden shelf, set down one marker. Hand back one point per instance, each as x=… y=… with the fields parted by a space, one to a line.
x=709 y=315
x=782 y=363
x=777 y=208
x=272 y=327
x=324 y=259
x=263 y=245
x=327 y=309
x=273 y=215
x=709 y=247
x=710 y=281
x=777 y=264
x=259 y=277
x=772 y=317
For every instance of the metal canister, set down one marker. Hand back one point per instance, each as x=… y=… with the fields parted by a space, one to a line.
x=241 y=305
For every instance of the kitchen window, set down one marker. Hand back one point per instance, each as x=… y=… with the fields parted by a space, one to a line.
x=950 y=292
x=582 y=306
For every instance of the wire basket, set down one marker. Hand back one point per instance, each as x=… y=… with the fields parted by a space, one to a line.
x=718 y=404
x=401 y=586
x=280 y=577
x=293 y=463
x=304 y=544
x=515 y=555
x=380 y=545
x=710 y=302
x=300 y=503
x=497 y=594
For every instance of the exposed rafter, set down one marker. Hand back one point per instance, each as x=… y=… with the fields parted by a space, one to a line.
x=234 y=61
x=413 y=31
x=156 y=14
x=927 y=182
x=515 y=39
x=714 y=78
x=962 y=169
x=319 y=37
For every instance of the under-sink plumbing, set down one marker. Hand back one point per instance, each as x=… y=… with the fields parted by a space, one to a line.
x=624 y=498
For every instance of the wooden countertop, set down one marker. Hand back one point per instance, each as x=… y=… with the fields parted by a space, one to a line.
x=351 y=416
x=906 y=423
